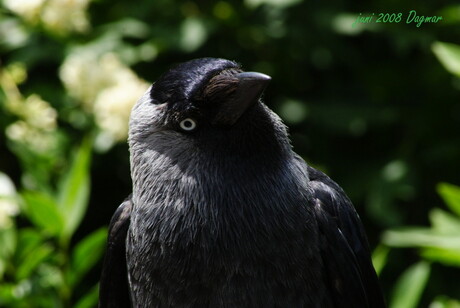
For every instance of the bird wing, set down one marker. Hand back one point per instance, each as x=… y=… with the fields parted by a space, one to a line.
x=344 y=247
x=114 y=287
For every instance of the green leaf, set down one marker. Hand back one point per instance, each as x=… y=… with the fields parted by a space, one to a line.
x=74 y=191
x=420 y=237
x=293 y=111
x=410 y=286
x=379 y=258
x=274 y=3
x=90 y=299
x=450 y=13
x=33 y=260
x=449 y=56
x=28 y=240
x=444 y=222
x=451 y=196
x=193 y=33
x=86 y=253
x=448 y=257
x=7 y=294
x=43 y=211
x=445 y=302
x=8 y=240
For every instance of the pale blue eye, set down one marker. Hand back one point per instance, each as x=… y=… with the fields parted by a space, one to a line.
x=187 y=124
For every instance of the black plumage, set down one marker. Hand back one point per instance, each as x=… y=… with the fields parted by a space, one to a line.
x=223 y=213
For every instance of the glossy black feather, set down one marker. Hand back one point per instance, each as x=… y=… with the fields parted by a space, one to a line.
x=229 y=216
x=184 y=82
x=345 y=250
x=114 y=287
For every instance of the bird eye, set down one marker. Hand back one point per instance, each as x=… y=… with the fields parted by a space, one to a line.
x=188 y=124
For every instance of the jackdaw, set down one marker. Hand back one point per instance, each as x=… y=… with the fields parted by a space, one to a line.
x=223 y=213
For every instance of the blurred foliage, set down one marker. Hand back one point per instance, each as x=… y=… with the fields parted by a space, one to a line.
x=440 y=243
x=374 y=105
x=38 y=268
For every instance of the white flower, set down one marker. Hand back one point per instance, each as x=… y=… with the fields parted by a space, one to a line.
x=39 y=114
x=61 y=16
x=107 y=88
x=113 y=107
x=17 y=131
x=66 y=15
x=8 y=202
x=84 y=74
x=28 y=9
x=37 y=124
x=37 y=140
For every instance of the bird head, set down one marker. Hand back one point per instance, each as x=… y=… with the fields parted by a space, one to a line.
x=206 y=103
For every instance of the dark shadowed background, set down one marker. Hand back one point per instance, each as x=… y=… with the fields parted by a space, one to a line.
x=376 y=105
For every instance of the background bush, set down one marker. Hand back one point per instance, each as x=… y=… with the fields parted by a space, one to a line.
x=376 y=106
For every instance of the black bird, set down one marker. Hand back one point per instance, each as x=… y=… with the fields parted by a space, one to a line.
x=223 y=213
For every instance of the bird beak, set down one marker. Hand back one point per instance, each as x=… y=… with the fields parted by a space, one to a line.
x=249 y=88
